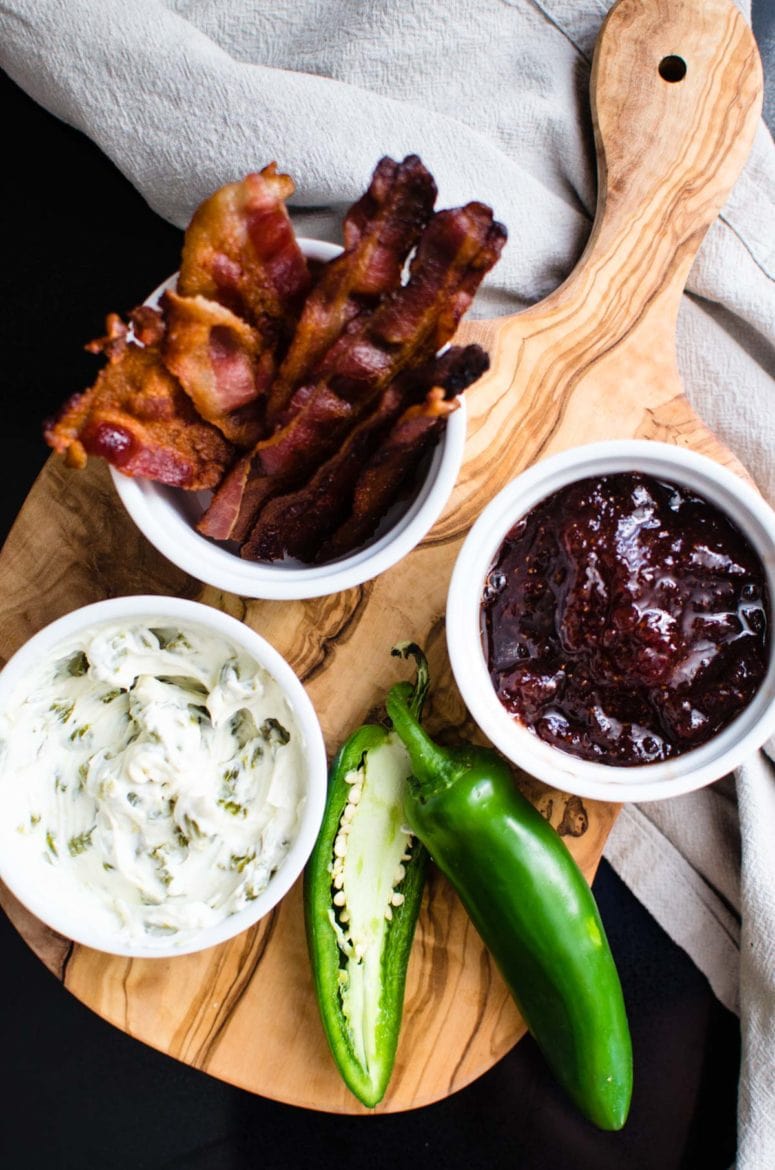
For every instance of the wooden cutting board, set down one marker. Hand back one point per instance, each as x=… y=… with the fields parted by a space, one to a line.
x=594 y=360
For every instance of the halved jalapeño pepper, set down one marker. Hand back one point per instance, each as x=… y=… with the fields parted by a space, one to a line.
x=362 y=891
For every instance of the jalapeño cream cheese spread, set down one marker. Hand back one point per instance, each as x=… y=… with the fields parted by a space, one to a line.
x=159 y=771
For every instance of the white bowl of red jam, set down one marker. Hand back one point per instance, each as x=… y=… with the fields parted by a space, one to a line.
x=609 y=620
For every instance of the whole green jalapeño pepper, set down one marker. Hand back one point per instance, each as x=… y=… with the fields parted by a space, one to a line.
x=532 y=907
x=363 y=886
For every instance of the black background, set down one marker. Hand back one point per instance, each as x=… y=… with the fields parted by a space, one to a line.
x=77 y=240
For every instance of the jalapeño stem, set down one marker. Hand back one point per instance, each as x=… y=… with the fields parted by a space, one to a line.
x=433 y=767
x=422 y=679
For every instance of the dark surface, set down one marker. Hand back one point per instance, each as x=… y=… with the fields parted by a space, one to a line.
x=79 y=1094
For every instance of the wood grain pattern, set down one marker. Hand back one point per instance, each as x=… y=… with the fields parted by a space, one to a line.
x=596 y=359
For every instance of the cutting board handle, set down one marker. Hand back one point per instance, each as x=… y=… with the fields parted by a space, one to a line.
x=665 y=167
x=676 y=93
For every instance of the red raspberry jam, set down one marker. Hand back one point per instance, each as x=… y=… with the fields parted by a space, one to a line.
x=626 y=620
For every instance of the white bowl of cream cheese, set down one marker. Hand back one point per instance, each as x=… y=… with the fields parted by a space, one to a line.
x=162 y=776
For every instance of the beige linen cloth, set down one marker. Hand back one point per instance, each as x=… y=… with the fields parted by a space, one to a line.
x=189 y=94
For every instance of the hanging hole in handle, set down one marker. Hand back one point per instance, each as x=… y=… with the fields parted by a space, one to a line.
x=672 y=68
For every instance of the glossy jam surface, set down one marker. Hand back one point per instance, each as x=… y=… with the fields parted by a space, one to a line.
x=626 y=620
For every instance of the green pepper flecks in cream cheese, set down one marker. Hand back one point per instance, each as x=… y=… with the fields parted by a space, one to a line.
x=158 y=770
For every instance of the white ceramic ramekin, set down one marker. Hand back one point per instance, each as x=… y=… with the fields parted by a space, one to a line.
x=166 y=517
x=729 y=492
x=35 y=884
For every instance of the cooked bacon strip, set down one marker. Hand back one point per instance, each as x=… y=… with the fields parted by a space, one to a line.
x=138 y=418
x=115 y=341
x=379 y=231
x=220 y=363
x=275 y=464
x=457 y=368
x=147 y=325
x=390 y=473
x=296 y=524
x=456 y=250
x=240 y=250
